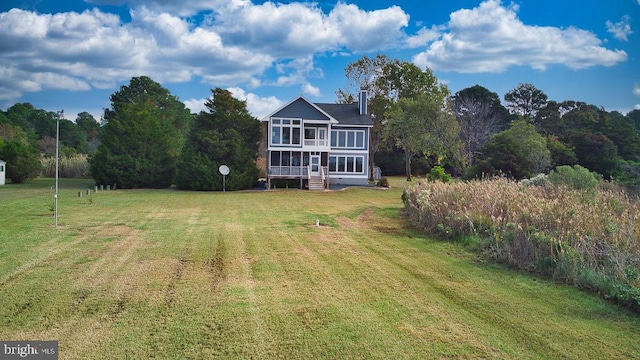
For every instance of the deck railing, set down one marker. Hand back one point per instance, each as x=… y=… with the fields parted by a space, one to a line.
x=296 y=171
x=316 y=142
x=299 y=171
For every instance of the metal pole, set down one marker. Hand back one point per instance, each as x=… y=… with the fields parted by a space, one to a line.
x=224 y=180
x=55 y=196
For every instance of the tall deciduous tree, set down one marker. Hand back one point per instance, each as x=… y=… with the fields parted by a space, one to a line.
x=480 y=115
x=225 y=135
x=143 y=136
x=421 y=125
x=416 y=98
x=388 y=81
x=407 y=127
x=525 y=100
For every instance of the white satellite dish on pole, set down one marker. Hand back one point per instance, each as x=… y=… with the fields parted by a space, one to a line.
x=224 y=170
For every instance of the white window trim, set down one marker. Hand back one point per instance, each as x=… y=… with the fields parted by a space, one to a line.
x=346 y=139
x=345 y=172
x=291 y=125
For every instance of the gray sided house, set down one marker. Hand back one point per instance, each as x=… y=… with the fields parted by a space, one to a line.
x=319 y=144
x=3 y=165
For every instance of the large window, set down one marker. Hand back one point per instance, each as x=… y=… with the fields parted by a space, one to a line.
x=287 y=158
x=285 y=132
x=315 y=136
x=346 y=164
x=347 y=139
x=310 y=133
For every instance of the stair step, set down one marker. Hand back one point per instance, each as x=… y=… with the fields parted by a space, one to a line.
x=316 y=183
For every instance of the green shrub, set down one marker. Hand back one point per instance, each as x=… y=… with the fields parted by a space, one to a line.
x=627 y=296
x=575 y=177
x=437 y=173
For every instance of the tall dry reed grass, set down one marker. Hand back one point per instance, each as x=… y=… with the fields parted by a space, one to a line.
x=74 y=166
x=589 y=238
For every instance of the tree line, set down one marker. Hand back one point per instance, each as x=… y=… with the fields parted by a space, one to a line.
x=148 y=138
x=28 y=135
x=418 y=123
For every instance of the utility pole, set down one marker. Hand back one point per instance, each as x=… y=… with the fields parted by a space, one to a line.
x=55 y=196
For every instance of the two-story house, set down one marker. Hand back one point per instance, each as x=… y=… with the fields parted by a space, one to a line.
x=319 y=144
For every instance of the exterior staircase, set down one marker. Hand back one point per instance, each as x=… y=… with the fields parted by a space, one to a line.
x=316 y=183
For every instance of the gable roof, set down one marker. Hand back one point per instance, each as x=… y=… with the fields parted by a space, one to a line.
x=301 y=108
x=342 y=114
x=347 y=114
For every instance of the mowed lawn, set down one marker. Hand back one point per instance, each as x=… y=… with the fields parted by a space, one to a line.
x=137 y=274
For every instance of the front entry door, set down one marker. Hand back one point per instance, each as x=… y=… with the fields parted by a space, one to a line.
x=315 y=165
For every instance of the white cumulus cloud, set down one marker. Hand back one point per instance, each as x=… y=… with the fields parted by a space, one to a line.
x=424 y=36
x=296 y=28
x=620 y=30
x=362 y=31
x=491 y=38
x=195 y=105
x=311 y=90
x=183 y=8
x=257 y=106
x=235 y=45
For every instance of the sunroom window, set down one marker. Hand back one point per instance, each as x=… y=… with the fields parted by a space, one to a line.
x=285 y=132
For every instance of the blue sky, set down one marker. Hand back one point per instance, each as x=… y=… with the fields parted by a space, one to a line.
x=74 y=54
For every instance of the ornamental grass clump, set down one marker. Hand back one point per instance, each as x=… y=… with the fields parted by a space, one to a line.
x=587 y=238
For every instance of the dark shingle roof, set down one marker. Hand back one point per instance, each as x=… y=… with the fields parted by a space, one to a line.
x=346 y=114
x=300 y=108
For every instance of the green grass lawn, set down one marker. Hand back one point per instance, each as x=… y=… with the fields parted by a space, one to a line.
x=169 y=274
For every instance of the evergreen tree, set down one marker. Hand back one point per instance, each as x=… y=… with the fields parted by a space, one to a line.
x=596 y=152
x=143 y=136
x=525 y=100
x=225 y=135
x=91 y=129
